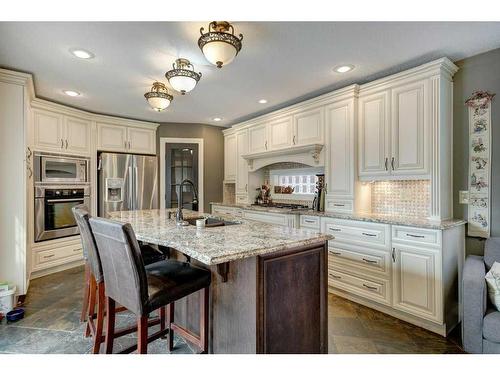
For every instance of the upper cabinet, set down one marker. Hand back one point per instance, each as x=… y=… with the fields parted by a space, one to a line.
x=230 y=158
x=241 y=165
x=56 y=132
x=308 y=127
x=257 y=137
x=393 y=135
x=120 y=138
x=280 y=133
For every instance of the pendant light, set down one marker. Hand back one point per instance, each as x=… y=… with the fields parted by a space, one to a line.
x=158 y=98
x=182 y=77
x=219 y=45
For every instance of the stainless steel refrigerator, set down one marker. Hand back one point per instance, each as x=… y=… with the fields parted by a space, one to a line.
x=126 y=182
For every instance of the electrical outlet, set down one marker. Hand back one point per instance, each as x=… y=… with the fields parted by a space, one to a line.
x=463 y=197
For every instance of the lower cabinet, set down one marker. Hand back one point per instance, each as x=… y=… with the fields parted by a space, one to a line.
x=57 y=253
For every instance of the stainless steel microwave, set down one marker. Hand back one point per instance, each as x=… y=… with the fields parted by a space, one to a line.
x=51 y=168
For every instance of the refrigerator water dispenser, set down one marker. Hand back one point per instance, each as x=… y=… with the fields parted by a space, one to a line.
x=114 y=190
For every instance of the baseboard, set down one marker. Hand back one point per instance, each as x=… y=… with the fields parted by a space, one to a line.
x=440 y=329
x=62 y=267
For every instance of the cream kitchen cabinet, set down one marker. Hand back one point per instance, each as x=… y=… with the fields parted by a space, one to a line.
x=120 y=138
x=257 y=138
x=280 y=134
x=56 y=132
x=393 y=132
x=230 y=158
x=241 y=164
x=308 y=127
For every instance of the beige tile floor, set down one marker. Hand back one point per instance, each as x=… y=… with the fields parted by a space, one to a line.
x=52 y=325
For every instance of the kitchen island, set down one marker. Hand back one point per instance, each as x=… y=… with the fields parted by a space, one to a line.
x=269 y=283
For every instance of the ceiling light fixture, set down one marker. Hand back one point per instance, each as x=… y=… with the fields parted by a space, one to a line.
x=158 y=98
x=219 y=45
x=182 y=77
x=262 y=101
x=217 y=119
x=343 y=68
x=71 y=93
x=81 y=53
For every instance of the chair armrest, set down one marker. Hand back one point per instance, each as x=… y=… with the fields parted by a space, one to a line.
x=474 y=304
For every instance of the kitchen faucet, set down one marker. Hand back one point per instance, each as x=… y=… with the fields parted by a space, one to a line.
x=179 y=218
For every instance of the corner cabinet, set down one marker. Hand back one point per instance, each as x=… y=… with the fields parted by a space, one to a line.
x=120 y=138
x=393 y=132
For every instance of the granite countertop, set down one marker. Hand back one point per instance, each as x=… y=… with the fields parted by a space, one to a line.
x=374 y=218
x=219 y=244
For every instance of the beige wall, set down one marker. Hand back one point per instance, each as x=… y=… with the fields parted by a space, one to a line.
x=213 y=145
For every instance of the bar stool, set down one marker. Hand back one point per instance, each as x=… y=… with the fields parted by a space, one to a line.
x=95 y=289
x=149 y=254
x=141 y=292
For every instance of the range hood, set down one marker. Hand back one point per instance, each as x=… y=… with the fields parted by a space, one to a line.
x=305 y=154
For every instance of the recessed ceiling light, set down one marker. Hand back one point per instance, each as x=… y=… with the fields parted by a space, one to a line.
x=263 y=101
x=81 y=53
x=71 y=93
x=343 y=68
x=217 y=119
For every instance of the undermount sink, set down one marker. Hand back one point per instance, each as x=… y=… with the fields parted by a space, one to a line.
x=211 y=222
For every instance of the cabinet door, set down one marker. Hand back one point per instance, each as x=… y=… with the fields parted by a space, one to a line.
x=374 y=135
x=112 y=137
x=417 y=281
x=340 y=143
x=409 y=125
x=280 y=133
x=308 y=127
x=242 y=166
x=141 y=141
x=230 y=157
x=77 y=135
x=257 y=138
x=48 y=130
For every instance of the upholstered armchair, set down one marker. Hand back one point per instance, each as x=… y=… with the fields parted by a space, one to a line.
x=481 y=320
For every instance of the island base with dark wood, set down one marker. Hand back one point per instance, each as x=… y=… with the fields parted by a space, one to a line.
x=274 y=303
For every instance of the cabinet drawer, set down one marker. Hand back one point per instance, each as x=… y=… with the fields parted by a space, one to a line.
x=372 y=288
x=268 y=217
x=308 y=221
x=242 y=199
x=53 y=257
x=338 y=205
x=416 y=235
x=356 y=232
x=362 y=259
x=218 y=210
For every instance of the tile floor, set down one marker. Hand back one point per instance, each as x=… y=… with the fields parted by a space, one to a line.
x=51 y=325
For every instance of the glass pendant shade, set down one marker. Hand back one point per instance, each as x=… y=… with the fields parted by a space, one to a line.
x=158 y=98
x=182 y=77
x=219 y=45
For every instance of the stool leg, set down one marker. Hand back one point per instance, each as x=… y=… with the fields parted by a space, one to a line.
x=85 y=305
x=110 y=324
x=92 y=286
x=170 y=320
x=204 y=299
x=162 y=318
x=100 y=318
x=142 y=335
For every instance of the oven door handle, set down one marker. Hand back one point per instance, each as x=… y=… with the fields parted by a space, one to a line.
x=64 y=200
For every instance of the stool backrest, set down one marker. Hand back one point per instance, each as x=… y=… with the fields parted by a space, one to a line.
x=89 y=247
x=122 y=264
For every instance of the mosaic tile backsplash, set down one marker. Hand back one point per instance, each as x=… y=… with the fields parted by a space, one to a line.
x=401 y=198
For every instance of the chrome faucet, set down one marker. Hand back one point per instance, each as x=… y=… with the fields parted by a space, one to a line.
x=179 y=218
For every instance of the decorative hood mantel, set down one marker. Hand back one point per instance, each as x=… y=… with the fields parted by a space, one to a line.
x=306 y=154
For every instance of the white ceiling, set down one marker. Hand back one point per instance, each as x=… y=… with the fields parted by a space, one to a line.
x=283 y=62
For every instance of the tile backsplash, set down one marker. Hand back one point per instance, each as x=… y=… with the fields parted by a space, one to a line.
x=409 y=198
x=229 y=193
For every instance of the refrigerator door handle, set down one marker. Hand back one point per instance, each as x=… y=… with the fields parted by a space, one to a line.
x=136 y=198
x=130 y=188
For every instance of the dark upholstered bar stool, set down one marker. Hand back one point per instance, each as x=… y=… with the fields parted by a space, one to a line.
x=149 y=255
x=141 y=292
x=95 y=289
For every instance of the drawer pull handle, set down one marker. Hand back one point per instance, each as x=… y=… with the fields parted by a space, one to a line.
x=339 y=205
x=48 y=256
x=370 y=287
x=335 y=276
x=414 y=235
x=77 y=250
x=335 y=229
x=369 y=260
x=368 y=234
x=335 y=253
x=310 y=221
